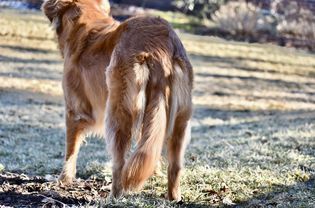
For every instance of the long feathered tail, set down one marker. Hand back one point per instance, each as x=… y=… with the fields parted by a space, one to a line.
x=143 y=161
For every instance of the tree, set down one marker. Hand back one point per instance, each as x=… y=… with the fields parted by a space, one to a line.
x=201 y=8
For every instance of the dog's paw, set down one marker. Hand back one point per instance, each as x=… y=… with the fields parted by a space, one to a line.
x=65 y=179
x=116 y=192
x=174 y=197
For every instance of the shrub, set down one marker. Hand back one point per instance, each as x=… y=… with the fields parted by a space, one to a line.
x=201 y=8
x=243 y=18
x=293 y=20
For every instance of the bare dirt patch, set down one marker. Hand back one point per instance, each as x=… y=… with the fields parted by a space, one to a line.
x=20 y=190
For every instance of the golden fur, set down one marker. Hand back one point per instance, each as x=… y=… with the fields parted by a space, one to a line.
x=134 y=79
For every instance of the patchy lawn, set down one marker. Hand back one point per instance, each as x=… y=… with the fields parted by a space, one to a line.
x=253 y=134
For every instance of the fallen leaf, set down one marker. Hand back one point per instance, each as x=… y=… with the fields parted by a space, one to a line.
x=227 y=201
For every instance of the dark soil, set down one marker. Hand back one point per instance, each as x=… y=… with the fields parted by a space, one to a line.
x=19 y=190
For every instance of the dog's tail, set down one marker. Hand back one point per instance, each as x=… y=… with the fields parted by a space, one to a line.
x=153 y=121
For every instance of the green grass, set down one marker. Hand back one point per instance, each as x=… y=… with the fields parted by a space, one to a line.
x=253 y=133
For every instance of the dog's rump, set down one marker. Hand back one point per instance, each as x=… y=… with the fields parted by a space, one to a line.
x=152 y=92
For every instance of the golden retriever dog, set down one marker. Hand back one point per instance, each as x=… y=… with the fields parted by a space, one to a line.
x=130 y=80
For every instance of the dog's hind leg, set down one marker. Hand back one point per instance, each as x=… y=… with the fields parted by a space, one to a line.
x=176 y=148
x=117 y=132
x=76 y=126
x=179 y=125
x=118 y=122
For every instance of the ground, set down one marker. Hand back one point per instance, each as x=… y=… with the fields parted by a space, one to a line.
x=253 y=133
